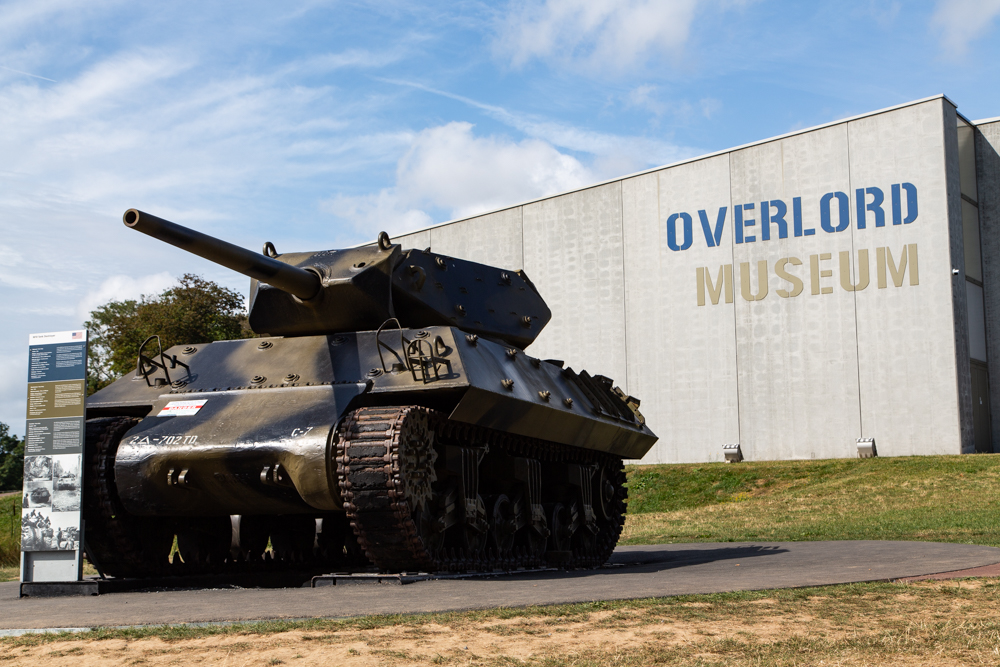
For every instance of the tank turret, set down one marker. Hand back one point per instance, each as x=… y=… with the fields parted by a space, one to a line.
x=358 y=289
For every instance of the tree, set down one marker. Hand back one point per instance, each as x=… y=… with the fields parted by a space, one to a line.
x=193 y=311
x=11 y=460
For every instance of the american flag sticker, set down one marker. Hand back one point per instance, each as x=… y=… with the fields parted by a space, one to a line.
x=77 y=335
x=181 y=408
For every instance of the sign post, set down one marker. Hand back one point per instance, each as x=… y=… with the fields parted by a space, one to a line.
x=51 y=527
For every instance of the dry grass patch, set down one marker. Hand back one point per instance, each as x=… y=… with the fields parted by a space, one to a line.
x=928 y=623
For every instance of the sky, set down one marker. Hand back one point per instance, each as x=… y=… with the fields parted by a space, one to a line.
x=317 y=124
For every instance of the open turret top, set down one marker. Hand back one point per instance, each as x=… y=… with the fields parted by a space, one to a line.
x=359 y=289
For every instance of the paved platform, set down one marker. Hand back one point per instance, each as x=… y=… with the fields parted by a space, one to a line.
x=634 y=572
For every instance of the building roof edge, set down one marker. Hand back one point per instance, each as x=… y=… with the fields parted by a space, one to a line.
x=688 y=161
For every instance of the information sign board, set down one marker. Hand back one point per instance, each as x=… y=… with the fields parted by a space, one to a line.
x=51 y=527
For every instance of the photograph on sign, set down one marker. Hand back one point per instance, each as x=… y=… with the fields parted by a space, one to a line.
x=37 y=494
x=37 y=468
x=66 y=483
x=45 y=530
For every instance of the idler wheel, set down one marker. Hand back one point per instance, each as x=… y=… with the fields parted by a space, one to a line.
x=605 y=494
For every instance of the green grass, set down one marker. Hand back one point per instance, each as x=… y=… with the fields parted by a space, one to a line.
x=933 y=498
x=10 y=534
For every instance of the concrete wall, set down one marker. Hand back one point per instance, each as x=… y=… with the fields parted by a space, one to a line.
x=794 y=346
x=988 y=192
x=906 y=339
x=682 y=368
x=797 y=355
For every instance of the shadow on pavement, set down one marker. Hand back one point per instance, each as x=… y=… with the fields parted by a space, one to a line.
x=671 y=558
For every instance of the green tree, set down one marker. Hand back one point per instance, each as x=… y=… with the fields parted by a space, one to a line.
x=193 y=311
x=11 y=460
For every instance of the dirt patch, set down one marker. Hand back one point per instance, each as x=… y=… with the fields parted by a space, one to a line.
x=513 y=641
x=930 y=623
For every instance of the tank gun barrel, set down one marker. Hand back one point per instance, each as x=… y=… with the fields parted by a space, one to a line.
x=285 y=277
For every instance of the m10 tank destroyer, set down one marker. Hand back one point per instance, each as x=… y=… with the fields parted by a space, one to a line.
x=389 y=416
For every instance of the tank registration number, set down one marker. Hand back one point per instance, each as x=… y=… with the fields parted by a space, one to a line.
x=181 y=408
x=163 y=440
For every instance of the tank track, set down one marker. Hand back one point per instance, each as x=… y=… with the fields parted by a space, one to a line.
x=408 y=509
x=393 y=527
x=115 y=542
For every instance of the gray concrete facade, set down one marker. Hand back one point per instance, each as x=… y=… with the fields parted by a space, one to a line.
x=792 y=295
x=988 y=197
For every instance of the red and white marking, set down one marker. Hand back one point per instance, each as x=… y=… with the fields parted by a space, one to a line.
x=181 y=408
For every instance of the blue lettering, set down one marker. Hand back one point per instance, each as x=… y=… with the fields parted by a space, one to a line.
x=672 y=231
x=875 y=206
x=797 y=218
x=778 y=218
x=740 y=223
x=911 y=204
x=824 y=212
x=713 y=239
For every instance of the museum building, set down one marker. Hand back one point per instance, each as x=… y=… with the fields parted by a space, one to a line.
x=793 y=295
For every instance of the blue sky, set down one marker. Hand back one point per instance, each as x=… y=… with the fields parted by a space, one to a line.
x=317 y=124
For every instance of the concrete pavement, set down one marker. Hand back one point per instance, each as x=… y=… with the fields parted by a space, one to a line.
x=634 y=572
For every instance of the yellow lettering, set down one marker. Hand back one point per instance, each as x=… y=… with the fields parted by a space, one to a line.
x=779 y=270
x=815 y=273
x=715 y=290
x=761 y=281
x=883 y=258
x=845 y=270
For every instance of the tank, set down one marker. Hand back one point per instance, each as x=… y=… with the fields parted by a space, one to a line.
x=386 y=415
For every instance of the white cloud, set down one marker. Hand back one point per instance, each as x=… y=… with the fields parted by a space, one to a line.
x=381 y=211
x=960 y=22
x=629 y=153
x=644 y=97
x=595 y=33
x=122 y=288
x=160 y=129
x=709 y=106
x=13 y=381
x=449 y=167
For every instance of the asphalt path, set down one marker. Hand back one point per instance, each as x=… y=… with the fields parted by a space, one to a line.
x=634 y=572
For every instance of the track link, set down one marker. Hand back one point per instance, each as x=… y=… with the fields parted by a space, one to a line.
x=116 y=542
x=389 y=509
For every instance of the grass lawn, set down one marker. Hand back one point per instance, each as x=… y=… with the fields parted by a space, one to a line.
x=932 y=498
x=10 y=536
x=878 y=624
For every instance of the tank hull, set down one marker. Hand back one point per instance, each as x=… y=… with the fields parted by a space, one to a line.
x=247 y=427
